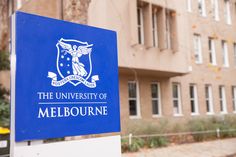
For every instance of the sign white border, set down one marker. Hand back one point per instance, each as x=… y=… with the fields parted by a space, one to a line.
x=103 y=147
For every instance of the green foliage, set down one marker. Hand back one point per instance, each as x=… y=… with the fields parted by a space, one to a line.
x=200 y=125
x=224 y=123
x=4 y=113
x=145 y=127
x=4 y=61
x=4 y=108
x=138 y=143
x=155 y=142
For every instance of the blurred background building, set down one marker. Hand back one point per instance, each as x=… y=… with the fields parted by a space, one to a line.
x=177 y=58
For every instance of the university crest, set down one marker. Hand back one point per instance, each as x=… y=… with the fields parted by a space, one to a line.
x=74 y=64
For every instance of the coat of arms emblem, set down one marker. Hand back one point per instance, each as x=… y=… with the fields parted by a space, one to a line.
x=74 y=64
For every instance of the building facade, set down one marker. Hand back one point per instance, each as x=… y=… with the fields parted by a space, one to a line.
x=177 y=58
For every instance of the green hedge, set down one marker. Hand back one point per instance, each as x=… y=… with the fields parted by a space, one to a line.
x=223 y=122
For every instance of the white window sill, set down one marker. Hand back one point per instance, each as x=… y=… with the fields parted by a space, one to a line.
x=202 y=15
x=234 y=112
x=178 y=115
x=210 y=113
x=212 y=64
x=224 y=112
x=135 y=117
x=198 y=63
x=194 y=114
x=156 y=116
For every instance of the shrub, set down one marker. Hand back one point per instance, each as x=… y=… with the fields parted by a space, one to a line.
x=4 y=108
x=136 y=144
x=154 y=142
x=4 y=61
x=4 y=113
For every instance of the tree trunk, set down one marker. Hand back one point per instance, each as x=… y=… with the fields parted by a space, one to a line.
x=4 y=25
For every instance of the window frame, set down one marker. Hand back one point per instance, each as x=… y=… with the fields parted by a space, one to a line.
x=212 y=51
x=178 y=99
x=189 y=5
x=227 y=12
x=155 y=39
x=234 y=54
x=138 y=113
x=215 y=7
x=225 y=53
x=202 y=9
x=197 y=48
x=234 y=98
x=194 y=99
x=209 y=99
x=168 y=29
x=223 y=101
x=18 y=4
x=158 y=99
x=140 y=17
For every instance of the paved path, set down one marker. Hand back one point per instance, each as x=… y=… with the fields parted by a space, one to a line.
x=218 y=148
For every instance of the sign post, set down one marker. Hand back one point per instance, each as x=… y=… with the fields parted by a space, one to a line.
x=64 y=80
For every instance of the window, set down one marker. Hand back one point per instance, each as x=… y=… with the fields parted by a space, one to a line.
x=133 y=99
x=212 y=51
x=154 y=27
x=215 y=9
x=18 y=4
x=225 y=54
x=140 y=25
x=156 y=99
x=234 y=98
x=202 y=7
x=227 y=12
x=193 y=99
x=197 y=48
x=168 y=28
x=176 y=99
x=235 y=54
x=189 y=5
x=209 y=99
x=223 y=104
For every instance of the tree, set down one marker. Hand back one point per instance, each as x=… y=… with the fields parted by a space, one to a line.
x=4 y=25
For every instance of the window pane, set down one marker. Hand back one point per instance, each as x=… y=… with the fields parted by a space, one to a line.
x=176 y=106
x=155 y=108
x=221 y=105
x=207 y=106
x=192 y=106
x=207 y=92
x=175 y=91
x=235 y=50
x=220 y=92
x=154 y=90
x=139 y=16
x=191 y=91
x=133 y=107
x=210 y=50
x=234 y=97
x=132 y=90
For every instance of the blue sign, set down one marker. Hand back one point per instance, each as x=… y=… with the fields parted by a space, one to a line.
x=66 y=79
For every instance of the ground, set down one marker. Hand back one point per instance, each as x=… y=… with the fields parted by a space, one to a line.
x=217 y=148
